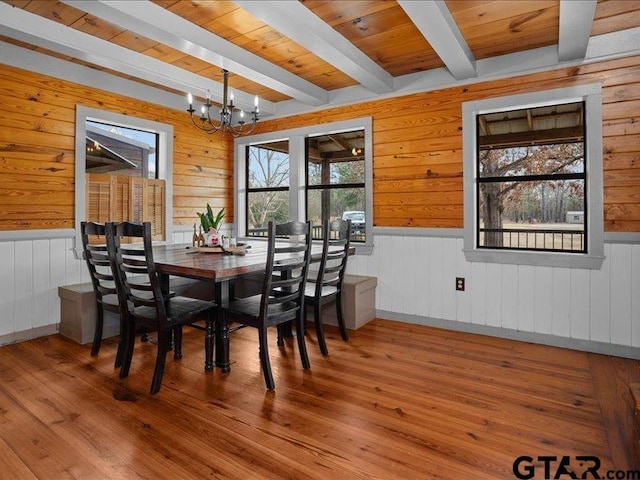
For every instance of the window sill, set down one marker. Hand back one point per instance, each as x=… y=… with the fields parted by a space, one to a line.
x=544 y=259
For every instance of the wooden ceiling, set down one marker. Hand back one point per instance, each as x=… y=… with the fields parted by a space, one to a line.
x=311 y=51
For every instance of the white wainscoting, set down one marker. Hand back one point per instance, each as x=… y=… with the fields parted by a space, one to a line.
x=563 y=306
x=33 y=264
x=416 y=282
x=31 y=270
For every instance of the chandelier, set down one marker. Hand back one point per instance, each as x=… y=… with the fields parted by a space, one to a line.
x=228 y=122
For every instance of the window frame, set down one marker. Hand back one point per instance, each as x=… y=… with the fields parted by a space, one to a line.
x=331 y=186
x=164 y=160
x=249 y=189
x=591 y=95
x=297 y=175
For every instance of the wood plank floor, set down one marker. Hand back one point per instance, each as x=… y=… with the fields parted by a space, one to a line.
x=396 y=401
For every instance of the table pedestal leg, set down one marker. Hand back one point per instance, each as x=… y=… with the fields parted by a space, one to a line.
x=222 y=342
x=222 y=328
x=208 y=357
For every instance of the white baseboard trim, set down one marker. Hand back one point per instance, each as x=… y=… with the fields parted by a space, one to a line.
x=29 y=334
x=530 y=337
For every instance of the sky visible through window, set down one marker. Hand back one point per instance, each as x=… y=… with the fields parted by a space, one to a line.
x=148 y=138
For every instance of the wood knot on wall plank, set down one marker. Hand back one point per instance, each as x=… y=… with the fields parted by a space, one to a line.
x=573 y=71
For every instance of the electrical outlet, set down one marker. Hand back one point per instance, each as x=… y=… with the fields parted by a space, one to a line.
x=460 y=284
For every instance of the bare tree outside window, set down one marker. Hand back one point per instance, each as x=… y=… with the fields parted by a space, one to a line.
x=531 y=179
x=267 y=186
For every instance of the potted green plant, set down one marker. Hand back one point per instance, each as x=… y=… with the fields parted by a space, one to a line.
x=210 y=224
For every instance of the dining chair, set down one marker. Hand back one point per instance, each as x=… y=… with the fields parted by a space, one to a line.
x=104 y=287
x=327 y=286
x=282 y=298
x=136 y=277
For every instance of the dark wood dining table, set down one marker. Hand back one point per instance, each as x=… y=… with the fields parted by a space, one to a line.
x=220 y=268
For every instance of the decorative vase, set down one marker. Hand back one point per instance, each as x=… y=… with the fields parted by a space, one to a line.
x=212 y=239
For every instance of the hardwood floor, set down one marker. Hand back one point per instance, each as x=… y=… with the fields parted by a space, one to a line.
x=396 y=401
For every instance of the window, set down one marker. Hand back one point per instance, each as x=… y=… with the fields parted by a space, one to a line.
x=328 y=176
x=336 y=181
x=267 y=186
x=530 y=174
x=120 y=172
x=123 y=170
x=533 y=178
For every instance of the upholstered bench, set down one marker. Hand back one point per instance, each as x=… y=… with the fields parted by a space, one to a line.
x=358 y=303
x=358 y=299
x=78 y=314
x=78 y=308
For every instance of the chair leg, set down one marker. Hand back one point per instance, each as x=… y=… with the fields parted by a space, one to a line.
x=97 y=336
x=281 y=335
x=177 y=339
x=302 y=346
x=121 y=352
x=341 y=324
x=164 y=337
x=304 y=318
x=284 y=330
x=208 y=344
x=317 y=318
x=129 y=339
x=264 y=358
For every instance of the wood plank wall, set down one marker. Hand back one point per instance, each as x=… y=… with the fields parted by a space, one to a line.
x=37 y=141
x=417 y=148
x=417 y=153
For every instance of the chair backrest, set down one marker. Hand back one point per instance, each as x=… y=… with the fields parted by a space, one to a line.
x=286 y=271
x=97 y=260
x=335 y=252
x=133 y=266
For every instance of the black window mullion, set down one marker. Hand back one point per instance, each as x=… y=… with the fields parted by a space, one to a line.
x=335 y=185
x=533 y=178
x=586 y=191
x=306 y=179
x=267 y=189
x=246 y=195
x=477 y=176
